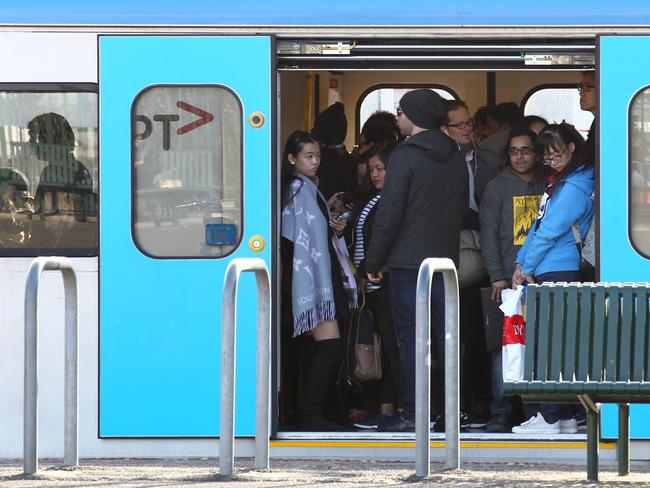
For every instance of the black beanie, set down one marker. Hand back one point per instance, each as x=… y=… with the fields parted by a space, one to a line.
x=331 y=126
x=424 y=107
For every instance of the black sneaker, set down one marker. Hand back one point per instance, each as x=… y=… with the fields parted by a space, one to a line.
x=377 y=421
x=478 y=422
x=402 y=425
x=498 y=423
x=465 y=421
x=439 y=424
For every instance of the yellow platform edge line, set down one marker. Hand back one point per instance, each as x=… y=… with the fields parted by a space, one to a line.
x=441 y=445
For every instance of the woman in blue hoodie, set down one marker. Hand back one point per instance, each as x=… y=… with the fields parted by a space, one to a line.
x=550 y=252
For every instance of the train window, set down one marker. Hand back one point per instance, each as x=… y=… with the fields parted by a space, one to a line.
x=558 y=103
x=639 y=172
x=48 y=170
x=386 y=97
x=187 y=171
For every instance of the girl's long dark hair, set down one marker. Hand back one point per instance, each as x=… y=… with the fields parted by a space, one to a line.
x=294 y=145
x=556 y=138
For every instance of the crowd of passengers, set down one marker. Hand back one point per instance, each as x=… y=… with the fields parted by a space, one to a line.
x=510 y=199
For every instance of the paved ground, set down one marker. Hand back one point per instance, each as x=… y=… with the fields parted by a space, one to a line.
x=305 y=473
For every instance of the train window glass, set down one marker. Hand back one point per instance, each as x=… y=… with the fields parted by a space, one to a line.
x=556 y=104
x=48 y=172
x=187 y=171
x=639 y=172
x=387 y=98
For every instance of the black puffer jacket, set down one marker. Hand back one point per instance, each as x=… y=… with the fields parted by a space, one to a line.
x=422 y=203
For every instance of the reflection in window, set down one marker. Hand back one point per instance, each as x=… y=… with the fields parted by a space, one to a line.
x=639 y=172
x=558 y=104
x=387 y=99
x=187 y=171
x=48 y=173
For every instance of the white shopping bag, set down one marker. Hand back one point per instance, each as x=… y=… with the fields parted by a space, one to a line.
x=514 y=335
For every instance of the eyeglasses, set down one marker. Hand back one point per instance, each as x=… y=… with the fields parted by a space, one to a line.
x=554 y=158
x=398 y=111
x=586 y=88
x=462 y=125
x=524 y=151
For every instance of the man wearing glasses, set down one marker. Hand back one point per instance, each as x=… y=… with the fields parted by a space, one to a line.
x=418 y=216
x=475 y=378
x=459 y=126
x=508 y=210
x=587 y=90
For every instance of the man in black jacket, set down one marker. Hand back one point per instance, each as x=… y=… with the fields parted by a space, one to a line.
x=419 y=216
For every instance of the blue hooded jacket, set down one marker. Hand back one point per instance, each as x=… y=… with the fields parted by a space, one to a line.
x=551 y=246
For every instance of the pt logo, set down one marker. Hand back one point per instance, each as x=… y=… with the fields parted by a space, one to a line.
x=166 y=121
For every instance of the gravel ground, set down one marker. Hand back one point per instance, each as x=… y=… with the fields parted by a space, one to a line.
x=305 y=473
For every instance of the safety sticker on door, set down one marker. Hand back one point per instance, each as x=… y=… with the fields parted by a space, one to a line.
x=220 y=234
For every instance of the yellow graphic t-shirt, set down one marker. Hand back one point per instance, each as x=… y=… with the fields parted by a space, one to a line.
x=524 y=214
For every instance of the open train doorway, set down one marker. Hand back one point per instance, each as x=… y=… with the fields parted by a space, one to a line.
x=368 y=76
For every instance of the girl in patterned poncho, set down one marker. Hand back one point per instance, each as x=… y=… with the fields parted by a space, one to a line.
x=316 y=274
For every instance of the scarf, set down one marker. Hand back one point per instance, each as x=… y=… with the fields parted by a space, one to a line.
x=304 y=224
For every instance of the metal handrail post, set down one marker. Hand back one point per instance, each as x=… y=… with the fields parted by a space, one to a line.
x=263 y=363
x=30 y=418
x=423 y=364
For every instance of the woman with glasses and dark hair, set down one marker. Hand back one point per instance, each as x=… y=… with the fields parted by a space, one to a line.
x=317 y=282
x=550 y=253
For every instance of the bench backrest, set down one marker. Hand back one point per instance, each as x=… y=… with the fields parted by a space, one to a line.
x=587 y=332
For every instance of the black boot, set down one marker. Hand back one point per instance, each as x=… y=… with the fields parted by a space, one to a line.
x=325 y=360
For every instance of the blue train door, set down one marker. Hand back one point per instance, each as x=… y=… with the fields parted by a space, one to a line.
x=185 y=150
x=624 y=85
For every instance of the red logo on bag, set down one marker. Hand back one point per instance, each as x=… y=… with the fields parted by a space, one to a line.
x=514 y=330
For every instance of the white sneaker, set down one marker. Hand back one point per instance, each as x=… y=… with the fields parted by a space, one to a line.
x=537 y=425
x=569 y=426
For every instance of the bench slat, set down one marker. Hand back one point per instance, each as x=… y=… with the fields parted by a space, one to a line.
x=571 y=345
x=626 y=327
x=531 y=336
x=556 y=332
x=542 y=331
x=640 y=334
x=584 y=337
x=595 y=374
x=613 y=333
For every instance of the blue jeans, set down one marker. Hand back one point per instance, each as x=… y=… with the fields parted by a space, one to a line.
x=553 y=412
x=402 y=286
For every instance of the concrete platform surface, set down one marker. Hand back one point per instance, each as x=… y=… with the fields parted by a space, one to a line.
x=203 y=473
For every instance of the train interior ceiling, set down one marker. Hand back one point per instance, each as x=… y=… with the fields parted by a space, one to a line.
x=540 y=77
x=365 y=75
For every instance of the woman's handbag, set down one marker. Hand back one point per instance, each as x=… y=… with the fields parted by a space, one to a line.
x=361 y=349
x=471 y=270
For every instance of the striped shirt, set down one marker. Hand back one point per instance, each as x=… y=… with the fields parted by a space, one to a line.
x=359 y=253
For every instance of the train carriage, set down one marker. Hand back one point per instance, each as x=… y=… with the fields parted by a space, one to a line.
x=178 y=113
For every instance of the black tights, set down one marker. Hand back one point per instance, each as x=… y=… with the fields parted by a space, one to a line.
x=326 y=356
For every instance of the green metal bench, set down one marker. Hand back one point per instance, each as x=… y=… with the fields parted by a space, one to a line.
x=588 y=342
